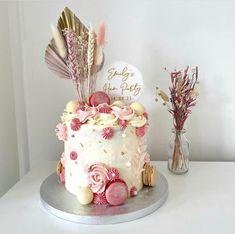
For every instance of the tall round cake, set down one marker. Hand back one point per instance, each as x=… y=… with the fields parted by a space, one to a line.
x=103 y=144
x=105 y=159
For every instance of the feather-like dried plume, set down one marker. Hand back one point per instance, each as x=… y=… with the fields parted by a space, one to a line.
x=99 y=57
x=56 y=63
x=59 y=41
x=101 y=35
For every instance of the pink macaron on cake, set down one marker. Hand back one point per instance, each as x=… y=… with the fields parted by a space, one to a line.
x=105 y=153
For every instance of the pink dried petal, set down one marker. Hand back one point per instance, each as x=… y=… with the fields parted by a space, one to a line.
x=133 y=191
x=113 y=174
x=100 y=199
x=107 y=133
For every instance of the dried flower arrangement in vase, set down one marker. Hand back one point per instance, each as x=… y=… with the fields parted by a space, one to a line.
x=183 y=94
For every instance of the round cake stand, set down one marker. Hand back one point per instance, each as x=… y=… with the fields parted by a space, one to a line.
x=59 y=202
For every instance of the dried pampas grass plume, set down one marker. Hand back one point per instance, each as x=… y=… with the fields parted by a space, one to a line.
x=101 y=35
x=59 y=41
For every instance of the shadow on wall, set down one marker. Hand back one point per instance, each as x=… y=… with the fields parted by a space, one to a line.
x=205 y=130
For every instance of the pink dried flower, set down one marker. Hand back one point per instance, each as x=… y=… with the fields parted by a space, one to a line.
x=140 y=132
x=72 y=61
x=107 y=133
x=133 y=191
x=113 y=174
x=61 y=132
x=182 y=96
x=122 y=123
x=100 y=199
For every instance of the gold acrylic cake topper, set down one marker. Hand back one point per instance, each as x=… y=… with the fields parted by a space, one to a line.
x=122 y=81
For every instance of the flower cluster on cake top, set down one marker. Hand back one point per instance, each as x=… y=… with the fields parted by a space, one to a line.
x=99 y=111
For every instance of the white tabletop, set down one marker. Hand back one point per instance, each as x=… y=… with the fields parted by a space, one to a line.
x=200 y=202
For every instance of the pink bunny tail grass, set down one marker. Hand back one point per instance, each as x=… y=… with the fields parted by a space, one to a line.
x=101 y=34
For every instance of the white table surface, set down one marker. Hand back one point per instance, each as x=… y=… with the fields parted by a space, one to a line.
x=200 y=202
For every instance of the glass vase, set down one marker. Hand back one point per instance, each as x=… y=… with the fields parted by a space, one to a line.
x=178 y=152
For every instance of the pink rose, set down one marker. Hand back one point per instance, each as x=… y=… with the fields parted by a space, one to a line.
x=123 y=113
x=86 y=113
x=98 y=177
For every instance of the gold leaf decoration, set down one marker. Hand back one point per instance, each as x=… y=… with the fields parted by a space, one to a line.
x=68 y=20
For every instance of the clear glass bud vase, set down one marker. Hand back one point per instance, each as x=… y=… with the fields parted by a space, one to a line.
x=178 y=152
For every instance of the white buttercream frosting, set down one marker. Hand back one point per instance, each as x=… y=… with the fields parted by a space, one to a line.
x=123 y=150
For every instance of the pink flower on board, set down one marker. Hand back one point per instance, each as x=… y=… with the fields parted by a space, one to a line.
x=100 y=199
x=107 y=133
x=113 y=174
x=122 y=123
x=61 y=132
x=98 y=177
x=133 y=191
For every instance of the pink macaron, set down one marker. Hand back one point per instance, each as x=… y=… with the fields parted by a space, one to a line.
x=99 y=97
x=116 y=193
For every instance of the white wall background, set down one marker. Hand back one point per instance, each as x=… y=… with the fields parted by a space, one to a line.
x=150 y=34
x=9 y=166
